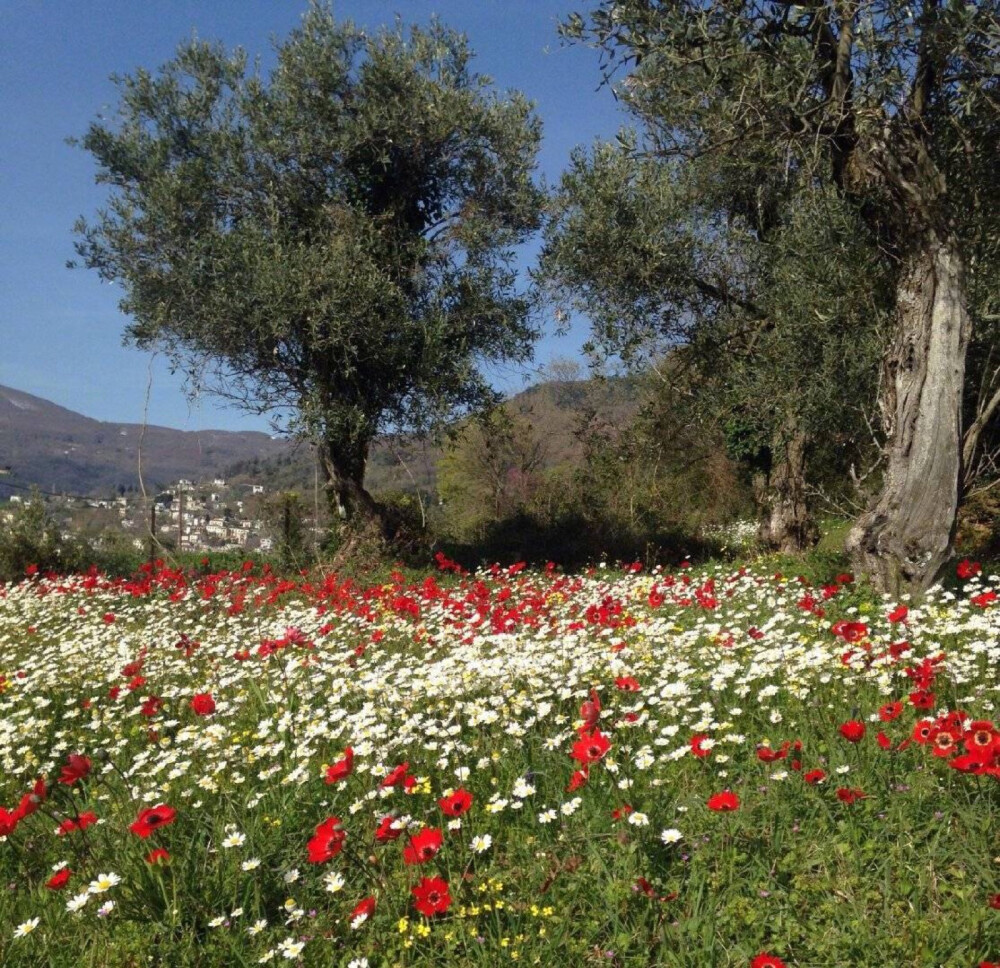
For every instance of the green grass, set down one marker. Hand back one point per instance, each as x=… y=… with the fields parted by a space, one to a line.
x=901 y=877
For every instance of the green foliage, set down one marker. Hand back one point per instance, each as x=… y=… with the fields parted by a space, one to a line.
x=777 y=89
x=284 y=515
x=637 y=486
x=665 y=472
x=334 y=241
x=30 y=537
x=490 y=471
x=786 y=159
x=763 y=325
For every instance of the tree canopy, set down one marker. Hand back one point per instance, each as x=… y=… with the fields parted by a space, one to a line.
x=334 y=239
x=874 y=115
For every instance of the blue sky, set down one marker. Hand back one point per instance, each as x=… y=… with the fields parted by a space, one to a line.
x=61 y=328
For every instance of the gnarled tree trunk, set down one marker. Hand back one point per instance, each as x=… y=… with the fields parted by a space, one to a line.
x=343 y=464
x=787 y=524
x=903 y=540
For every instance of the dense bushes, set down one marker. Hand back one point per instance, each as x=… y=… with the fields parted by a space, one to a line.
x=637 y=480
x=30 y=538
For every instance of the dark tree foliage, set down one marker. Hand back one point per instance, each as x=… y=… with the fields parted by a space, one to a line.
x=890 y=104
x=758 y=307
x=334 y=240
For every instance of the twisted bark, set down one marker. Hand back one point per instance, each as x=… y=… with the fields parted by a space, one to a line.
x=343 y=464
x=787 y=525
x=905 y=538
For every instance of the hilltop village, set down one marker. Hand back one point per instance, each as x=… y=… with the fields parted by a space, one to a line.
x=186 y=516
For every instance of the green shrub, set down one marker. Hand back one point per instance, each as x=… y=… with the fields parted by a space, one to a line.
x=30 y=537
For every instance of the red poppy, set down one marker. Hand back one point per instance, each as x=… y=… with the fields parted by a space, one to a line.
x=577 y=780
x=386 y=831
x=984 y=599
x=423 y=846
x=203 y=704
x=627 y=684
x=995 y=902
x=590 y=747
x=342 y=768
x=152 y=818
x=151 y=706
x=853 y=731
x=75 y=768
x=980 y=737
x=327 y=842
x=641 y=884
x=971 y=763
x=945 y=742
x=883 y=740
x=923 y=731
x=456 y=804
x=723 y=802
x=890 y=711
x=9 y=819
x=814 y=776
x=765 y=960
x=81 y=822
x=396 y=776
x=966 y=569
x=847 y=795
x=59 y=880
x=851 y=631
x=158 y=856
x=697 y=745
x=898 y=614
x=364 y=910
x=590 y=711
x=431 y=896
x=30 y=802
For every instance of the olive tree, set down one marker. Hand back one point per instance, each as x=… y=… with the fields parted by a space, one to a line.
x=748 y=289
x=891 y=102
x=333 y=240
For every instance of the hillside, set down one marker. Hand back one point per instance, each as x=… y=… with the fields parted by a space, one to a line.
x=556 y=411
x=57 y=449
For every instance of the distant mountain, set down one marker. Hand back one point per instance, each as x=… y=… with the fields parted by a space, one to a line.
x=56 y=449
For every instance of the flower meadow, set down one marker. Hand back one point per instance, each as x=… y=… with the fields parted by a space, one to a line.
x=714 y=766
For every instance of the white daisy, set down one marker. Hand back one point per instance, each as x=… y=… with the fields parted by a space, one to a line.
x=481 y=843
x=103 y=882
x=25 y=928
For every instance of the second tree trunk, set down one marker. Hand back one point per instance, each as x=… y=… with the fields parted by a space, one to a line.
x=787 y=525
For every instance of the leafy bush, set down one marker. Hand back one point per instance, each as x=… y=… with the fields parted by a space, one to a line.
x=30 y=538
